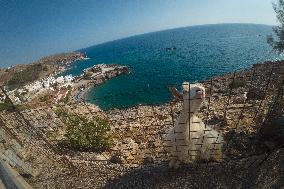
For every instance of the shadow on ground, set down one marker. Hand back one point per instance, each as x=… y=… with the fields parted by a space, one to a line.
x=254 y=172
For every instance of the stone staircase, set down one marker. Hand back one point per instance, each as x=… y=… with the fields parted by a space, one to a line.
x=10 y=178
x=2 y=184
x=13 y=156
x=14 y=153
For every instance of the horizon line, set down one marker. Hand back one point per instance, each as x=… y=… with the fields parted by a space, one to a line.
x=136 y=35
x=156 y=31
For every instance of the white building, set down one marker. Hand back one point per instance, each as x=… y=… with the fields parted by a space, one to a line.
x=46 y=84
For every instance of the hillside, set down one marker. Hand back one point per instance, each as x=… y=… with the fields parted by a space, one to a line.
x=20 y=75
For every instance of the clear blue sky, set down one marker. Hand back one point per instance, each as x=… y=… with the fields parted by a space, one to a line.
x=30 y=29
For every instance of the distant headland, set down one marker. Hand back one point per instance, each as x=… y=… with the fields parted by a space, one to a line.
x=22 y=74
x=41 y=82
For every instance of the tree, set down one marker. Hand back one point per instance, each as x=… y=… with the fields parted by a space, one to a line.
x=277 y=41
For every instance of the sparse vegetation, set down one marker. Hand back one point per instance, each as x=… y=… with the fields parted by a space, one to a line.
x=67 y=97
x=44 y=98
x=20 y=75
x=6 y=106
x=236 y=84
x=61 y=58
x=85 y=134
x=29 y=74
x=273 y=127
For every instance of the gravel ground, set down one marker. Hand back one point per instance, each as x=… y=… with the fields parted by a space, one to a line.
x=253 y=172
x=240 y=168
x=231 y=174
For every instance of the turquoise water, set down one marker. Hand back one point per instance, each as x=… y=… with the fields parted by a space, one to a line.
x=201 y=52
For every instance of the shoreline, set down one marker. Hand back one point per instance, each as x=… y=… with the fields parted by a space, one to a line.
x=100 y=73
x=245 y=98
x=263 y=65
x=140 y=127
x=93 y=77
x=80 y=95
x=38 y=70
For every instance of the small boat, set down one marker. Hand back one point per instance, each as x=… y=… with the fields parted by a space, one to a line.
x=170 y=48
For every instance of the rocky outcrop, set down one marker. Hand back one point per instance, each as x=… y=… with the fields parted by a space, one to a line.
x=104 y=71
x=138 y=134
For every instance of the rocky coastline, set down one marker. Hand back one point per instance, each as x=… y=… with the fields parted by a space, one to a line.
x=51 y=88
x=20 y=75
x=94 y=76
x=236 y=104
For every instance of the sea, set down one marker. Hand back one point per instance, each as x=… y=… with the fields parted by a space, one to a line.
x=161 y=59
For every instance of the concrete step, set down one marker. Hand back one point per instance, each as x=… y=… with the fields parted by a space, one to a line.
x=14 y=160
x=6 y=141
x=2 y=186
x=10 y=178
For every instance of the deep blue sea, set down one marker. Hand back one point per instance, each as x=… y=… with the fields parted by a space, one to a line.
x=201 y=52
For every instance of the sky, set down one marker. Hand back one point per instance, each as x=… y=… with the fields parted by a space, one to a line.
x=30 y=29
